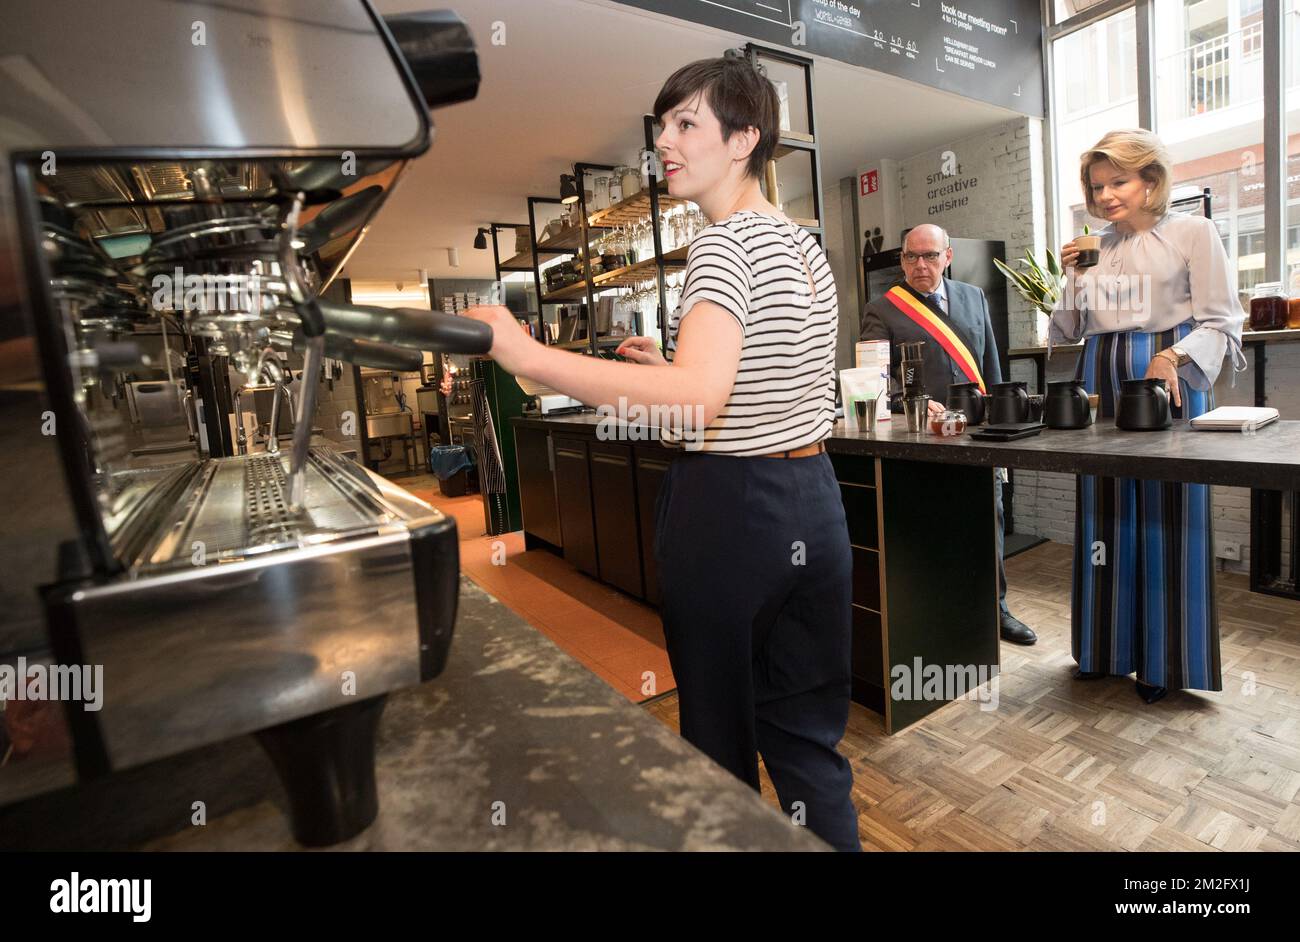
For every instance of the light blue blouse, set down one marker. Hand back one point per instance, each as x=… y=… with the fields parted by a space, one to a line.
x=1170 y=274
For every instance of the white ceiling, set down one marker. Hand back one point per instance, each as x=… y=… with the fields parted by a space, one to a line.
x=570 y=83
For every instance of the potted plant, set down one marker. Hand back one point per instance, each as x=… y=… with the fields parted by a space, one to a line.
x=1039 y=284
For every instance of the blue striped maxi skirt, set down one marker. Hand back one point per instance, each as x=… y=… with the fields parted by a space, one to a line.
x=1143 y=582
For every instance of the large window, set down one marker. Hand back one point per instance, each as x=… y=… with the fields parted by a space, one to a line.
x=1205 y=67
x=1095 y=90
x=1210 y=113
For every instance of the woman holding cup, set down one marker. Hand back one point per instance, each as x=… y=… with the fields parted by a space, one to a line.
x=1161 y=302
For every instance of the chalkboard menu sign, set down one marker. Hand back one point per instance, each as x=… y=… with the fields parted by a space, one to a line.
x=985 y=49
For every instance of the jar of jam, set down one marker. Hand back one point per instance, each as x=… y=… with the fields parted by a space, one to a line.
x=949 y=423
x=1268 y=307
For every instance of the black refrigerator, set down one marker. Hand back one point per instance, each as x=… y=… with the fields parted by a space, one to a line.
x=972 y=262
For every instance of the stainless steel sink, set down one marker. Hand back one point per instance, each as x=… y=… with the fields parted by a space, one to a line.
x=388 y=424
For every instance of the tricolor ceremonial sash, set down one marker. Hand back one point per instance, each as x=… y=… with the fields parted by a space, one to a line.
x=933 y=324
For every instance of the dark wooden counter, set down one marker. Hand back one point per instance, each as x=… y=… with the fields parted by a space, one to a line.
x=1268 y=458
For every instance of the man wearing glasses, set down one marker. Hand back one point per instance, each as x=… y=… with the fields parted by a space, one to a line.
x=952 y=318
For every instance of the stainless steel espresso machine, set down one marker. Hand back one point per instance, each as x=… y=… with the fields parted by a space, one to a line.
x=180 y=186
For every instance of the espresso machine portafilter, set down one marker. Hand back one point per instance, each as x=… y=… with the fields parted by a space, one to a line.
x=173 y=221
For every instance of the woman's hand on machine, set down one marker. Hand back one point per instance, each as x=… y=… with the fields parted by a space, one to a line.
x=641 y=350
x=1161 y=367
x=512 y=344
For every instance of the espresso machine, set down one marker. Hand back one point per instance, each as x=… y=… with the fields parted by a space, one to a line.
x=180 y=186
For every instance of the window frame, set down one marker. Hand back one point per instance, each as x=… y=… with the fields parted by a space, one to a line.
x=1275 y=131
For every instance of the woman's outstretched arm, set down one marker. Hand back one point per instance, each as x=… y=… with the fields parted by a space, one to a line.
x=702 y=373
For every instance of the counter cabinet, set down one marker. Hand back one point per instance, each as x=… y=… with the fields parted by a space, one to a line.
x=917 y=533
x=593 y=502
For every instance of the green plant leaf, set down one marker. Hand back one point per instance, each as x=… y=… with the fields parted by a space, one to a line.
x=1054 y=265
x=1035 y=267
x=1026 y=286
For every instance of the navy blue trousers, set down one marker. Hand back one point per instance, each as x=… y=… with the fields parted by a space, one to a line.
x=755 y=568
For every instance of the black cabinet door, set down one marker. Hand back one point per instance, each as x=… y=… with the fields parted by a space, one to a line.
x=618 y=542
x=537 y=484
x=573 y=499
x=651 y=466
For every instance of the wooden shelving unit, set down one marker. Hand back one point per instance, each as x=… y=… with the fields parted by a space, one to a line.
x=633 y=209
x=524 y=261
x=794 y=142
x=638 y=272
x=566 y=241
x=576 y=241
x=568 y=293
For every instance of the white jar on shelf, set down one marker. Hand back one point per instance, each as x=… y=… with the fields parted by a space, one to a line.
x=630 y=177
x=600 y=196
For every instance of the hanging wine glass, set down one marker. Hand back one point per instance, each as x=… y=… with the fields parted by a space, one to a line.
x=665 y=232
x=696 y=221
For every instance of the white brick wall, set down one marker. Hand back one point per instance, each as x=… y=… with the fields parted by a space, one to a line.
x=1005 y=201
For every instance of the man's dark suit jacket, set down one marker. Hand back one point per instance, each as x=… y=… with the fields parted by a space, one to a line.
x=968 y=316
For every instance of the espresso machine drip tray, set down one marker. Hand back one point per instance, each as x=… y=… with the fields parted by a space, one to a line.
x=239 y=507
x=242 y=614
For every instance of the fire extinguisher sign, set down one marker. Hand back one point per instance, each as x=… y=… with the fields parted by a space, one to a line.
x=869 y=182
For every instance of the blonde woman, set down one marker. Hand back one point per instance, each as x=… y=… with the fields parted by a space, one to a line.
x=1161 y=302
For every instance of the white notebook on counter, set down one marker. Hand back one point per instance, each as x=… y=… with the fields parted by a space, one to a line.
x=1234 y=418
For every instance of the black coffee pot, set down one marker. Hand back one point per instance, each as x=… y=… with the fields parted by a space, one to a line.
x=1067 y=405
x=1009 y=402
x=1143 y=405
x=969 y=399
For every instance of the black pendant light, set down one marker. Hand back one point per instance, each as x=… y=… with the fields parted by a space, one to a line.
x=568 y=188
x=480 y=240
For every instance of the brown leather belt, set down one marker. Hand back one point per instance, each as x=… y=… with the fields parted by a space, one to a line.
x=807 y=451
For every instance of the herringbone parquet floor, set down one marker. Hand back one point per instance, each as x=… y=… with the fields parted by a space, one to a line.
x=1063 y=764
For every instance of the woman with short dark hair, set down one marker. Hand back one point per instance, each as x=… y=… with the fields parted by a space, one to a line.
x=751 y=538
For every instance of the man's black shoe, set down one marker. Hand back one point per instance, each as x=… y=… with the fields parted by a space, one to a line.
x=1016 y=631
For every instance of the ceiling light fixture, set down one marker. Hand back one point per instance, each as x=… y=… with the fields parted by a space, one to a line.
x=568 y=188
